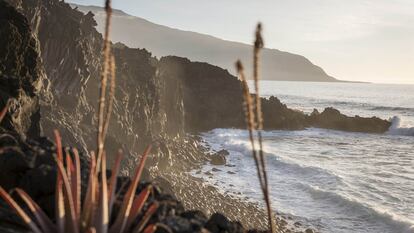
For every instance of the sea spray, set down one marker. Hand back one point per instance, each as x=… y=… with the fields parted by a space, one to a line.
x=397 y=129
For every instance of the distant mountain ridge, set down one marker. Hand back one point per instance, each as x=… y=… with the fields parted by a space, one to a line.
x=163 y=41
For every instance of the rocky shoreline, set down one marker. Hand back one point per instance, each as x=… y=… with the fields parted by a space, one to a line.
x=49 y=74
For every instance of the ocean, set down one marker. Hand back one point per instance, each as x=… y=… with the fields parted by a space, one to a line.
x=330 y=180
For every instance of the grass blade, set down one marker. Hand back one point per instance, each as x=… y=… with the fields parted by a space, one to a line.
x=120 y=222
x=44 y=222
x=26 y=219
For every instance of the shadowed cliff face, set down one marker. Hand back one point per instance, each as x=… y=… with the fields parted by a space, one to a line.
x=212 y=99
x=71 y=50
x=156 y=100
x=21 y=74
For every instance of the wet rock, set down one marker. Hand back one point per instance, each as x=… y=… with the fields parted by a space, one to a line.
x=331 y=118
x=215 y=169
x=309 y=230
x=219 y=158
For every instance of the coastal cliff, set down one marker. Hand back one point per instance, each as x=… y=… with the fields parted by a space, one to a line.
x=51 y=68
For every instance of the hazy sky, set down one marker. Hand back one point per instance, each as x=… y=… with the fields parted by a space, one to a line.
x=365 y=40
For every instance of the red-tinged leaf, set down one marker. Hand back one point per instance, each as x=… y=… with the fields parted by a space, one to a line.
x=151 y=210
x=113 y=182
x=137 y=205
x=121 y=220
x=90 y=198
x=59 y=205
x=102 y=219
x=72 y=225
x=70 y=168
x=4 y=111
x=26 y=219
x=59 y=151
x=44 y=222
x=150 y=228
x=76 y=184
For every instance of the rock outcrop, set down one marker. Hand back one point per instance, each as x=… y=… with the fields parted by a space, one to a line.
x=158 y=102
x=331 y=118
x=21 y=73
x=212 y=99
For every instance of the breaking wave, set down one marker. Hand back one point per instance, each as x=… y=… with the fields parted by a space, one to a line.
x=396 y=128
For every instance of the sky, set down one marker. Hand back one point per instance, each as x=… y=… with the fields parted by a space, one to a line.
x=357 y=40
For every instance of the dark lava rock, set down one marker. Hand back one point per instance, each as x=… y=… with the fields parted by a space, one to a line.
x=21 y=73
x=219 y=158
x=218 y=223
x=331 y=118
x=38 y=180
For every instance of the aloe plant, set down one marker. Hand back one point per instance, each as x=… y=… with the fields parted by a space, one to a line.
x=97 y=208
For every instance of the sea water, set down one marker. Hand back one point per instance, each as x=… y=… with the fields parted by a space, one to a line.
x=330 y=180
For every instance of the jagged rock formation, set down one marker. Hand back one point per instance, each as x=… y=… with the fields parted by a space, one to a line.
x=29 y=164
x=21 y=74
x=212 y=99
x=158 y=101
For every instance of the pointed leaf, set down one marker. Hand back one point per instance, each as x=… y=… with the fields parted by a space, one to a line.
x=26 y=219
x=121 y=220
x=150 y=228
x=45 y=223
x=4 y=111
x=151 y=210
x=72 y=224
x=76 y=183
x=137 y=205
x=59 y=205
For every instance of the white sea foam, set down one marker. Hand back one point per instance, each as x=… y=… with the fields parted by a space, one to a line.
x=397 y=128
x=334 y=181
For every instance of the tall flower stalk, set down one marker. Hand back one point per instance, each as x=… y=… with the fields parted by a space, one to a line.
x=254 y=122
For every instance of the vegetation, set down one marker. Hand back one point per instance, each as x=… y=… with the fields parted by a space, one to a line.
x=96 y=214
x=254 y=121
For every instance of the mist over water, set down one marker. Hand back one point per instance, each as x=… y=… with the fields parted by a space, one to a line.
x=331 y=180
